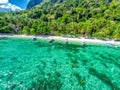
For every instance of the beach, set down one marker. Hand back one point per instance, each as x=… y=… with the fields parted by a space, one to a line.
x=83 y=40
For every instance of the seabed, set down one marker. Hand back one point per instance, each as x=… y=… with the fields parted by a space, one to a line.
x=47 y=64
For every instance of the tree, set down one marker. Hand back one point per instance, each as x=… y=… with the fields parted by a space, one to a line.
x=26 y=30
x=32 y=31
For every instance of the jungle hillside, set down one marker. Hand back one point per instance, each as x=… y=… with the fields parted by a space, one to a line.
x=91 y=18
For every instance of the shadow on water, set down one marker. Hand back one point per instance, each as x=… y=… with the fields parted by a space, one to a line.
x=109 y=60
x=41 y=44
x=51 y=41
x=15 y=59
x=34 y=39
x=103 y=78
x=3 y=38
x=68 y=47
x=44 y=43
x=1 y=58
x=58 y=45
x=81 y=80
x=84 y=62
x=52 y=83
x=75 y=63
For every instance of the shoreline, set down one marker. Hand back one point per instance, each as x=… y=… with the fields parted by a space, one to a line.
x=66 y=39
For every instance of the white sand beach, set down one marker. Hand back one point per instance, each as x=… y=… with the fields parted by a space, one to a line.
x=67 y=39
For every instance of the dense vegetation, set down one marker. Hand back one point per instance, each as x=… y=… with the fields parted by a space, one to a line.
x=93 y=18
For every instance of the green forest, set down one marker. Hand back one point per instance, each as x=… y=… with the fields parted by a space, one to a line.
x=91 y=18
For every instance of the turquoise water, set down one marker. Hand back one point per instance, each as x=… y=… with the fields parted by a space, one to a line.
x=39 y=65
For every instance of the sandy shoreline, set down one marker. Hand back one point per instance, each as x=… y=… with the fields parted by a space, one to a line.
x=67 y=39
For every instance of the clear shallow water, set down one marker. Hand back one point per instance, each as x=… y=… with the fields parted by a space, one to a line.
x=39 y=65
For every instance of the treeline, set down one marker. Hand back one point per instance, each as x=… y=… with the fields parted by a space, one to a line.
x=93 y=18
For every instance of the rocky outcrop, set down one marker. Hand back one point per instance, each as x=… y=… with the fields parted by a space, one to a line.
x=32 y=3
